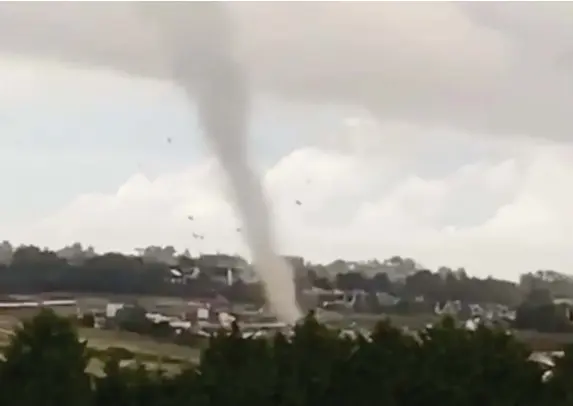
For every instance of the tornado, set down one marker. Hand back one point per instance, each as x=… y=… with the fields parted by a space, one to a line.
x=197 y=38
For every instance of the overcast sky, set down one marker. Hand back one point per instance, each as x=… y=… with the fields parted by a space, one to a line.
x=439 y=131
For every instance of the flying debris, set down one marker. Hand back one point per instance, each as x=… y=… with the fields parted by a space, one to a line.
x=169 y=140
x=239 y=229
x=298 y=203
x=198 y=236
x=190 y=218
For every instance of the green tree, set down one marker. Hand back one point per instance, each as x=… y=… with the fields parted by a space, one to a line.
x=460 y=367
x=537 y=312
x=378 y=370
x=559 y=378
x=45 y=364
x=236 y=370
x=305 y=364
x=445 y=364
x=113 y=387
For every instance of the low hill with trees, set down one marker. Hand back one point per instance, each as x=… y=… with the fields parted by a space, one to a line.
x=30 y=269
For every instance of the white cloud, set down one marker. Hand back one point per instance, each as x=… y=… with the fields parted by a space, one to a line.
x=501 y=218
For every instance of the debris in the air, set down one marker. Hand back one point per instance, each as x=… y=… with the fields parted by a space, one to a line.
x=169 y=140
x=190 y=218
x=238 y=229
x=298 y=202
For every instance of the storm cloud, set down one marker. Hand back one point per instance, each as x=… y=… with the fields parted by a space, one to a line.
x=488 y=68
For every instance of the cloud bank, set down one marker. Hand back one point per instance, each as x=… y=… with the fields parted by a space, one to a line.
x=497 y=216
x=488 y=67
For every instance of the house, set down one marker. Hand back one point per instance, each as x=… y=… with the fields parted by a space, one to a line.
x=222 y=268
x=179 y=275
x=221 y=261
x=450 y=307
x=386 y=299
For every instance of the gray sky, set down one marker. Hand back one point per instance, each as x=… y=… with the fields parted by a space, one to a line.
x=489 y=67
x=456 y=152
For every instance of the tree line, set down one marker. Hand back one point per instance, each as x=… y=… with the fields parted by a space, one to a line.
x=45 y=364
x=30 y=269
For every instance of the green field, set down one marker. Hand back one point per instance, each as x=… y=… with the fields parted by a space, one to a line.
x=172 y=355
x=153 y=354
x=140 y=345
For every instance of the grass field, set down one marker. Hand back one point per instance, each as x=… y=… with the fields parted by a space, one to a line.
x=369 y=320
x=150 y=349
x=95 y=367
x=104 y=339
x=168 y=357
